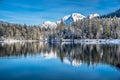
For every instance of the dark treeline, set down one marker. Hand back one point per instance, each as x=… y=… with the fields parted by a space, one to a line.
x=96 y=28
x=116 y=13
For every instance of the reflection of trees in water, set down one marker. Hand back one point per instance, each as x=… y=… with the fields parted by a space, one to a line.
x=18 y=49
x=91 y=54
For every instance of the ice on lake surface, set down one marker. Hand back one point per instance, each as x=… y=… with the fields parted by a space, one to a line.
x=45 y=61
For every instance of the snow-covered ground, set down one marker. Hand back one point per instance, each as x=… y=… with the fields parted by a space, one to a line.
x=90 y=41
x=86 y=41
x=10 y=41
x=98 y=41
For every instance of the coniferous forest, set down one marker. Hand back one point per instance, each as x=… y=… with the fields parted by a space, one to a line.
x=96 y=28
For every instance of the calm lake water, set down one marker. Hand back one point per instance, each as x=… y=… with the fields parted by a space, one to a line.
x=40 y=60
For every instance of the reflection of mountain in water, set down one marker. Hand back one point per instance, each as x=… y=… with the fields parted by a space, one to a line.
x=74 y=54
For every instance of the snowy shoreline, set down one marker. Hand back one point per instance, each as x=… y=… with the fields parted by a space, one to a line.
x=91 y=41
x=88 y=41
x=15 y=41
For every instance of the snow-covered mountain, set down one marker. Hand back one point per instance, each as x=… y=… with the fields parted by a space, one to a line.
x=93 y=15
x=69 y=19
x=49 y=24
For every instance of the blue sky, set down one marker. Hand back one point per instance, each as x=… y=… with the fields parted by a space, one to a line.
x=38 y=11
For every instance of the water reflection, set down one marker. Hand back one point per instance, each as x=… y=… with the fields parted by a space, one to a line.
x=73 y=54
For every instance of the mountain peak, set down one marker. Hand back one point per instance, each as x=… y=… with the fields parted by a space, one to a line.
x=69 y=19
x=66 y=17
x=77 y=16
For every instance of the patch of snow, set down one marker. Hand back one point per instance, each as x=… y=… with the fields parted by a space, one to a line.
x=66 y=17
x=49 y=24
x=93 y=16
x=77 y=16
x=90 y=41
x=10 y=41
x=58 y=22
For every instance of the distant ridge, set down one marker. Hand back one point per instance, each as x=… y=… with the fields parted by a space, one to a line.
x=113 y=14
